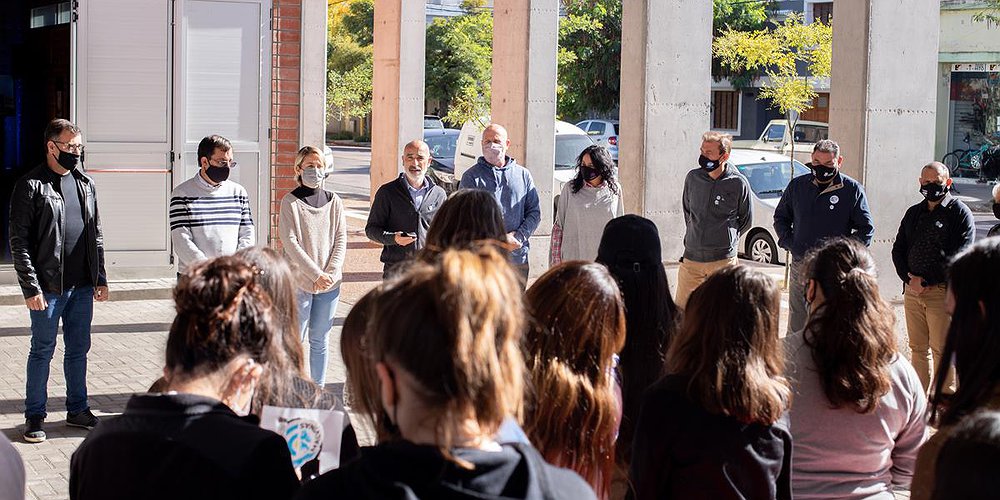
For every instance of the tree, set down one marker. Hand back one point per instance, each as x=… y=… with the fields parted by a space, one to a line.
x=778 y=52
x=738 y=15
x=990 y=14
x=459 y=62
x=359 y=21
x=589 y=57
x=349 y=59
x=590 y=50
x=349 y=94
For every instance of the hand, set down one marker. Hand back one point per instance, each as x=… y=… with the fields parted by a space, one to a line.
x=322 y=283
x=403 y=240
x=36 y=303
x=916 y=285
x=512 y=243
x=101 y=294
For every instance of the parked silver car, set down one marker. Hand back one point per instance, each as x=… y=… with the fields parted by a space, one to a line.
x=604 y=133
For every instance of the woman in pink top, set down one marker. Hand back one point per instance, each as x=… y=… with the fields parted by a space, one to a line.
x=857 y=415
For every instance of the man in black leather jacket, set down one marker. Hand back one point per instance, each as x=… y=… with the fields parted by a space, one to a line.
x=58 y=251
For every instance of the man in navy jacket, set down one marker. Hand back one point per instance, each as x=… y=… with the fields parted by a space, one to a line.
x=814 y=208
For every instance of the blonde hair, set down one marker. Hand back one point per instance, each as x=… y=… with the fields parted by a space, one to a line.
x=455 y=325
x=725 y=141
x=301 y=157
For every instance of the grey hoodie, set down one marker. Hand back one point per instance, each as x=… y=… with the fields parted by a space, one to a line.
x=716 y=212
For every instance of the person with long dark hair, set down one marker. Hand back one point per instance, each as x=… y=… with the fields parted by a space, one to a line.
x=630 y=248
x=571 y=404
x=847 y=373
x=190 y=441
x=585 y=205
x=969 y=460
x=715 y=426
x=444 y=338
x=972 y=348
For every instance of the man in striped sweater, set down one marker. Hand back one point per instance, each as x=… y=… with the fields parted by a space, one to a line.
x=209 y=214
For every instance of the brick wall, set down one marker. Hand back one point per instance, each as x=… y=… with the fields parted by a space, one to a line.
x=285 y=101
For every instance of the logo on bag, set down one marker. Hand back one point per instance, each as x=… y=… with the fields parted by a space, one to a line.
x=305 y=439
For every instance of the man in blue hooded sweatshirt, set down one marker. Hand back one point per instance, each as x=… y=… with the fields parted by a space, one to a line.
x=514 y=190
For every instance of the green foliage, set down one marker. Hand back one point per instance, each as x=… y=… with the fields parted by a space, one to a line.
x=349 y=94
x=777 y=52
x=349 y=59
x=359 y=22
x=459 y=54
x=991 y=14
x=738 y=15
x=589 y=57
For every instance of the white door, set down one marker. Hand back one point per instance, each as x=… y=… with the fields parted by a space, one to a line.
x=122 y=101
x=222 y=86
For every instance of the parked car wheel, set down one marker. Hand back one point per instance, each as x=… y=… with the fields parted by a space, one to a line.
x=761 y=248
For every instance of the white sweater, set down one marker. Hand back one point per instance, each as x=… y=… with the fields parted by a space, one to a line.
x=580 y=220
x=208 y=221
x=314 y=240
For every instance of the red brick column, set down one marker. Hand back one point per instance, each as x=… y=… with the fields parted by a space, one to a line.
x=285 y=102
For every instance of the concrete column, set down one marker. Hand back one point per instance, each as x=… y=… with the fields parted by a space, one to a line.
x=397 y=85
x=525 y=41
x=665 y=107
x=312 y=93
x=884 y=93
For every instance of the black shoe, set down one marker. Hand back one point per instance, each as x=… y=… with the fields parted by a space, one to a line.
x=33 y=432
x=85 y=419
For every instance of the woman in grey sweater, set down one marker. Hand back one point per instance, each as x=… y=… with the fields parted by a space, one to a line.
x=857 y=417
x=314 y=240
x=585 y=206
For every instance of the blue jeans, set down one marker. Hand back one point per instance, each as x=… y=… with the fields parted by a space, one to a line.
x=316 y=311
x=75 y=307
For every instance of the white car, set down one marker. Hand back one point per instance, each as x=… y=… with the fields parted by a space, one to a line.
x=768 y=174
x=603 y=132
x=570 y=142
x=328 y=155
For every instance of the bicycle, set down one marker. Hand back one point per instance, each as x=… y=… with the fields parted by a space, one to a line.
x=968 y=161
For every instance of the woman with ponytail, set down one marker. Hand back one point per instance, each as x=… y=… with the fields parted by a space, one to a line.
x=191 y=440
x=858 y=417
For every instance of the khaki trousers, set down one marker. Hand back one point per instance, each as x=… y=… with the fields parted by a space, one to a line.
x=927 y=326
x=692 y=274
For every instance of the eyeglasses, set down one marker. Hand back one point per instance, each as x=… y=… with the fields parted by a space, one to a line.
x=225 y=164
x=71 y=148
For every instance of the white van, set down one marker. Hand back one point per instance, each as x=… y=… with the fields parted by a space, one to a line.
x=570 y=142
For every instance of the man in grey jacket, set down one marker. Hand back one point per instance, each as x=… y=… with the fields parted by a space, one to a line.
x=717 y=210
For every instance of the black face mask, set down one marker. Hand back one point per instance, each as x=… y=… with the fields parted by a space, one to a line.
x=217 y=174
x=589 y=173
x=933 y=191
x=823 y=173
x=69 y=161
x=709 y=165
